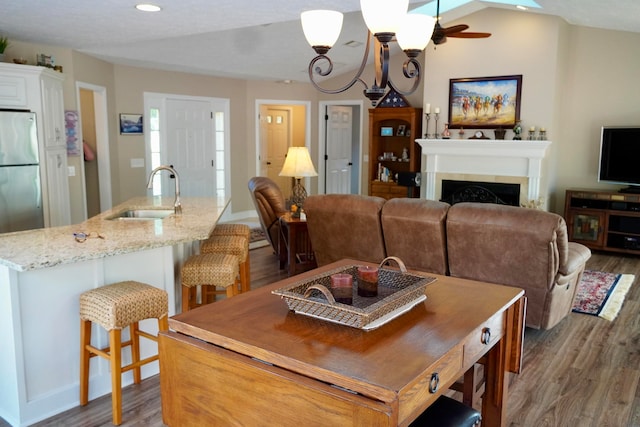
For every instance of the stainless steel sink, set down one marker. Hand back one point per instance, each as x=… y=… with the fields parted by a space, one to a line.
x=141 y=214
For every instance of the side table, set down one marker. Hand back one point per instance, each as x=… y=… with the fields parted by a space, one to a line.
x=295 y=245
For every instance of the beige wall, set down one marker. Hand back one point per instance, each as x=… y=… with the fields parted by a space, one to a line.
x=601 y=88
x=575 y=79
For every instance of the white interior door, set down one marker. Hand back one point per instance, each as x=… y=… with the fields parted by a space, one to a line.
x=191 y=146
x=277 y=127
x=338 y=149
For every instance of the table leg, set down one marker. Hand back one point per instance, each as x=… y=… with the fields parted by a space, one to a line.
x=499 y=361
x=292 y=250
x=282 y=245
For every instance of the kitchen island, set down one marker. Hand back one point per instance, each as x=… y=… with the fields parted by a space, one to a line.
x=44 y=271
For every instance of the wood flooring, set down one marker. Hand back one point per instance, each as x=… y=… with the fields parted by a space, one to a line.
x=584 y=372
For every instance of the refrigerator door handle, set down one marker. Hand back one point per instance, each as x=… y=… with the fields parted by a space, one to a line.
x=39 y=194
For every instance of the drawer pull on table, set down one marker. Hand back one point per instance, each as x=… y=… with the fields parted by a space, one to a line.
x=486 y=336
x=434 y=383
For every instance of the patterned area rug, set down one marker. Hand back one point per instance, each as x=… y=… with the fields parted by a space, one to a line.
x=602 y=294
x=257 y=239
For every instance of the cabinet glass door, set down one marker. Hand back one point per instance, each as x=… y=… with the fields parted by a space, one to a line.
x=586 y=227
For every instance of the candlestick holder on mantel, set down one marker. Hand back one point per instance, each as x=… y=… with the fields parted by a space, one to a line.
x=426 y=132
x=435 y=135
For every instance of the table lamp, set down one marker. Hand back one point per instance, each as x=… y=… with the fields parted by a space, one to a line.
x=297 y=165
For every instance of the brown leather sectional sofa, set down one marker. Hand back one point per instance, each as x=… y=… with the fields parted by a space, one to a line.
x=508 y=245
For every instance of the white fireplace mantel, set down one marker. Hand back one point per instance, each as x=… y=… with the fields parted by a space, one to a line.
x=483 y=157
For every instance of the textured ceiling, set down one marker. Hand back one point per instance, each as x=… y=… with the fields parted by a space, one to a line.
x=236 y=38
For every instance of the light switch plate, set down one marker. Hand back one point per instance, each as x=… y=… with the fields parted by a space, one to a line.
x=137 y=163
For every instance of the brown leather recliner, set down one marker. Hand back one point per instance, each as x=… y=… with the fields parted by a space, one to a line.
x=519 y=247
x=414 y=231
x=270 y=206
x=345 y=226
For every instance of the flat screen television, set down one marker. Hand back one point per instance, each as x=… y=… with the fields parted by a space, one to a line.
x=620 y=157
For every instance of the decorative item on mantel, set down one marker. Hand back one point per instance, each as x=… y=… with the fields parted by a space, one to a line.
x=517 y=130
x=461 y=133
x=4 y=43
x=427 y=113
x=500 y=133
x=446 y=133
x=542 y=135
x=534 y=204
x=532 y=133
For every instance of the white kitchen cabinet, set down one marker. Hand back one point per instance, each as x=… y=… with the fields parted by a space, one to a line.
x=40 y=90
x=52 y=109
x=57 y=186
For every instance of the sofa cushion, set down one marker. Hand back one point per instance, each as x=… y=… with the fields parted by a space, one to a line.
x=345 y=226
x=414 y=231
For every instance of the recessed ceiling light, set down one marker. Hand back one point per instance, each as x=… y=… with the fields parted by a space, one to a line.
x=147 y=7
x=522 y=7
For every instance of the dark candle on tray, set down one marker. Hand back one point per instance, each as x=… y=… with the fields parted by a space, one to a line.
x=367 y=281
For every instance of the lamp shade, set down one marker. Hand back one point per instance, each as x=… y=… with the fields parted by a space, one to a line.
x=383 y=16
x=298 y=163
x=321 y=27
x=415 y=31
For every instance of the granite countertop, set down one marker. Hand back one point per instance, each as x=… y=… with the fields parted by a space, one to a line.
x=47 y=247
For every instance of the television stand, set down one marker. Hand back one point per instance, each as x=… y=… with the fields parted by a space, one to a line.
x=604 y=220
x=632 y=189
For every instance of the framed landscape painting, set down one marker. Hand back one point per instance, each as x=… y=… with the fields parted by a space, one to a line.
x=484 y=102
x=130 y=124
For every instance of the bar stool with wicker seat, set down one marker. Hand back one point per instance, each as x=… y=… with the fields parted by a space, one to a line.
x=228 y=229
x=209 y=272
x=235 y=245
x=114 y=307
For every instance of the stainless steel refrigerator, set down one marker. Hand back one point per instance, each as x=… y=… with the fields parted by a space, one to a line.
x=20 y=185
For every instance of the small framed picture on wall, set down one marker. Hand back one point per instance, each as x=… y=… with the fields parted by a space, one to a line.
x=130 y=124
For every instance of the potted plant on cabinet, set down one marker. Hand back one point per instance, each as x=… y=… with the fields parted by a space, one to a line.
x=4 y=43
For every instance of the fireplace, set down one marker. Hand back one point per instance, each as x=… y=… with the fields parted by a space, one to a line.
x=454 y=191
x=515 y=162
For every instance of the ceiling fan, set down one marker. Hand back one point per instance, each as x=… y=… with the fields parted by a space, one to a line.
x=440 y=33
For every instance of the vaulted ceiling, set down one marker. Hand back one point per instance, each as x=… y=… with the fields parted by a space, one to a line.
x=241 y=38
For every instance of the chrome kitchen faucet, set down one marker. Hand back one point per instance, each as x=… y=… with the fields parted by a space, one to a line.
x=177 y=207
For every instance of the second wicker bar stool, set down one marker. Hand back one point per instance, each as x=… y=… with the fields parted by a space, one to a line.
x=209 y=272
x=229 y=229
x=235 y=245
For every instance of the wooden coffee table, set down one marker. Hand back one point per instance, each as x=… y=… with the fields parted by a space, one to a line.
x=248 y=360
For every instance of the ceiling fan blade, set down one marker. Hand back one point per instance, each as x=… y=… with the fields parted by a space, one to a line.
x=455 y=29
x=470 y=35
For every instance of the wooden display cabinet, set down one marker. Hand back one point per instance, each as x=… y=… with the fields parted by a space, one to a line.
x=392 y=130
x=604 y=220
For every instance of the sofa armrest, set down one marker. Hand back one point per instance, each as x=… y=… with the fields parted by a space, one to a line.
x=576 y=259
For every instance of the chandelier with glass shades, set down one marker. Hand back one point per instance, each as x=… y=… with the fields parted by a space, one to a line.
x=386 y=20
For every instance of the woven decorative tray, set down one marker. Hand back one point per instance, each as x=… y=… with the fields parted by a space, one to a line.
x=398 y=292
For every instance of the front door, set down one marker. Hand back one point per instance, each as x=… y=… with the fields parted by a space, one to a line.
x=191 y=146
